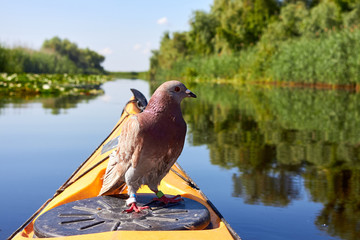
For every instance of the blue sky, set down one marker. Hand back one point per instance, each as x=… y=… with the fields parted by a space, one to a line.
x=124 y=31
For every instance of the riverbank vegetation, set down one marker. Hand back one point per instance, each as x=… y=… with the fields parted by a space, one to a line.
x=265 y=40
x=55 y=56
x=130 y=75
x=51 y=84
x=60 y=67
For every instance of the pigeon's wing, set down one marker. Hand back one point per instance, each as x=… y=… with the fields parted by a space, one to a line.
x=127 y=154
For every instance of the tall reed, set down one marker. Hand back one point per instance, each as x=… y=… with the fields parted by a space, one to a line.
x=331 y=58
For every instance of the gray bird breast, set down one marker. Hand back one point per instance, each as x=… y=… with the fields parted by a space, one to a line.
x=105 y=213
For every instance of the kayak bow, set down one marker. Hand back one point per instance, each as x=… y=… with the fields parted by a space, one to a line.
x=75 y=212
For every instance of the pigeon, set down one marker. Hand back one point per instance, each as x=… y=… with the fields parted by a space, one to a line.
x=149 y=144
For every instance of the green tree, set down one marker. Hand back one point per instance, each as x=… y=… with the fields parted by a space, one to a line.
x=323 y=17
x=347 y=5
x=308 y=3
x=242 y=22
x=171 y=49
x=85 y=59
x=154 y=63
x=289 y=23
x=202 y=33
x=3 y=58
x=353 y=17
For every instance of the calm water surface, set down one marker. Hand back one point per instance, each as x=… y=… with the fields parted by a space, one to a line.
x=277 y=163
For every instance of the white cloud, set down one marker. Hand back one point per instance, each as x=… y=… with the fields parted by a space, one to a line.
x=143 y=48
x=147 y=48
x=137 y=46
x=162 y=21
x=106 y=51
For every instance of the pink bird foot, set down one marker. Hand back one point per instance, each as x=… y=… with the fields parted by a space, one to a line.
x=162 y=198
x=135 y=208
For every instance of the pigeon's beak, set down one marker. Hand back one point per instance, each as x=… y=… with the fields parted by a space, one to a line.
x=190 y=94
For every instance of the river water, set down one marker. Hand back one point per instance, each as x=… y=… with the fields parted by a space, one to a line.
x=278 y=163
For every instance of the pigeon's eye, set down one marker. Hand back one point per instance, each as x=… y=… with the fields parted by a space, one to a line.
x=177 y=89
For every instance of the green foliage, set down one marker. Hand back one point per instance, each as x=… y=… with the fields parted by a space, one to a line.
x=56 y=56
x=329 y=59
x=209 y=68
x=301 y=41
x=202 y=33
x=171 y=50
x=289 y=24
x=230 y=26
x=129 y=75
x=324 y=16
x=3 y=58
x=242 y=22
x=353 y=17
x=346 y=5
x=308 y=3
x=85 y=59
x=20 y=60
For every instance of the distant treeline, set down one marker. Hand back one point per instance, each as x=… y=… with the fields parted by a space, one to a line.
x=55 y=56
x=304 y=41
x=130 y=75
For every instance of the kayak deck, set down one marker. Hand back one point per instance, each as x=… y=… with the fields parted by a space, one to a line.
x=86 y=183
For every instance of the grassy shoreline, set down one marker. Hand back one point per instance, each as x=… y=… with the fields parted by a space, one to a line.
x=130 y=75
x=329 y=59
x=311 y=43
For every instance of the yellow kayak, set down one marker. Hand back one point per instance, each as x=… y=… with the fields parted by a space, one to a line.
x=76 y=212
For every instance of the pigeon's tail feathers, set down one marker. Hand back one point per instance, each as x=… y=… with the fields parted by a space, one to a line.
x=126 y=155
x=113 y=181
x=115 y=189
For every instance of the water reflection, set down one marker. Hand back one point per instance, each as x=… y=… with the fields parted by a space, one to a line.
x=277 y=142
x=55 y=103
x=280 y=139
x=39 y=151
x=339 y=190
x=65 y=102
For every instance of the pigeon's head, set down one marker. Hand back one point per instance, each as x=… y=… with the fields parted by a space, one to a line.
x=176 y=90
